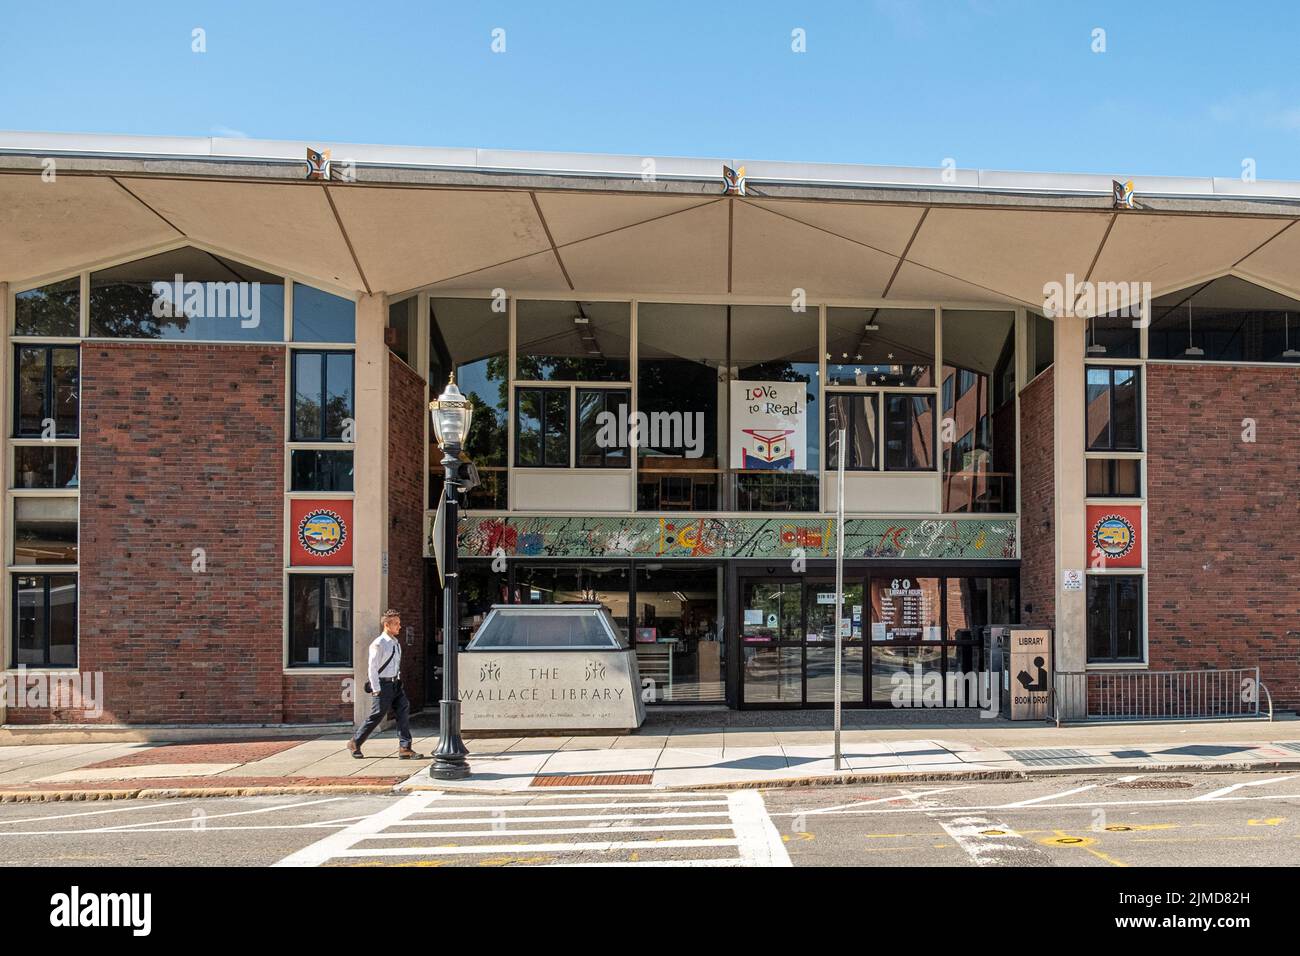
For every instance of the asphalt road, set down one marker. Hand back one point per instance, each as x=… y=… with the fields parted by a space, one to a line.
x=1068 y=820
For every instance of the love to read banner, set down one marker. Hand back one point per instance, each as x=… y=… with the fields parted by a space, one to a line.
x=768 y=426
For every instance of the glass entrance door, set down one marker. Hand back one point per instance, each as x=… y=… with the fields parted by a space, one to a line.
x=788 y=642
x=819 y=641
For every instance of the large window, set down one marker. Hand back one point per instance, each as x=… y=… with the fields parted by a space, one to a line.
x=880 y=347
x=774 y=344
x=187 y=295
x=857 y=415
x=45 y=620
x=50 y=310
x=1226 y=320
x=542 y=427
x=321 y=317
x=323 y=398
x=46 y=391
x=573 y=341
x=320 y=620
x=1114 y=618
x=1114 y=478
x=45 y=530
x=45 y=466
x=682 y=391
x=678 y=633
x=1112 y=401
x=472 y=339
x=979 y=414
x=602 y=440
x=909 y=431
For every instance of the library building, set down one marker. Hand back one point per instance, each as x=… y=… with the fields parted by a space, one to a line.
x=1063 y=404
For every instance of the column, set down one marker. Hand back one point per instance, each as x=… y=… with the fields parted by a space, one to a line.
x=1069 y=468
x=370 y=508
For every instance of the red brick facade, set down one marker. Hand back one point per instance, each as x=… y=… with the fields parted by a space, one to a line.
x=1037 y=503
x=182 y=447
x=1223 y=571
x=407 y=416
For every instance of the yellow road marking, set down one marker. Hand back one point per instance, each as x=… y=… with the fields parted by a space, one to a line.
x=1266 y=822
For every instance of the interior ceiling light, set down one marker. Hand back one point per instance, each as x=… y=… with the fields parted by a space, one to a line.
x=1191 y=349
x=1094 y=347
x=1289 y=352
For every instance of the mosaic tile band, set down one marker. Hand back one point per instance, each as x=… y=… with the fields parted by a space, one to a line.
x=692 y=537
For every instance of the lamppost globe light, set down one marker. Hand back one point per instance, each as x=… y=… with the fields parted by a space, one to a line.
x=451 y=413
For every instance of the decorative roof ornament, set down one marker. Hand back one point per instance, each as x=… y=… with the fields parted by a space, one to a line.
x=733 y=181
x=1122 y=194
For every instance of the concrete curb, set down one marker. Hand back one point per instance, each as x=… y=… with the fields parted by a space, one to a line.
x=822 y=780
x=156 y=793
x=904 y=776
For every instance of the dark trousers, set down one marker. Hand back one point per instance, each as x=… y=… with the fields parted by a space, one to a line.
x=391 y=697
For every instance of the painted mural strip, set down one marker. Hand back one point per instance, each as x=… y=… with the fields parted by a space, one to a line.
x=688 y=536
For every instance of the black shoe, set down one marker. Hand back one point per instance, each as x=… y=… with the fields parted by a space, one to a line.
x=356 y=750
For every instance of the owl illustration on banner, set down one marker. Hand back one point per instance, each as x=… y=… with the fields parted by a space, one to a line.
x=770 y=450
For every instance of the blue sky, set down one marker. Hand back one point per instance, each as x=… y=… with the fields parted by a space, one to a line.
x=1191 y=88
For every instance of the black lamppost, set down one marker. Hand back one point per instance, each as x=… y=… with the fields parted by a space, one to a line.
x=451 y=414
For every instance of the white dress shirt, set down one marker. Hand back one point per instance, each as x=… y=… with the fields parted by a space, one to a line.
x=380 y=648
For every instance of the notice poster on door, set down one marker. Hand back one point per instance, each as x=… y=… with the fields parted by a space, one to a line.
x=769 y=429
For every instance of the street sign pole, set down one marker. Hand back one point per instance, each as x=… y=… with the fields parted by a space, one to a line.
x=839 y=591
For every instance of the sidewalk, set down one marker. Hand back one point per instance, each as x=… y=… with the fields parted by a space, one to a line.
x=665 y=754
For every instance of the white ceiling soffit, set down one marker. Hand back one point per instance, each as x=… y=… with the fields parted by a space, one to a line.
x=1174 y=251
x=882 y=227
x=405 y=238
x=920 y=282
x=572 y=217
x=1277 y=261
x=1012 y=251
x=287 y=225
x=539 y=272
x=774 y=255
x=57 y=226
x=683 y=253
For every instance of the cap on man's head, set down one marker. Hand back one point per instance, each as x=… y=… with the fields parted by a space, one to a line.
x=389 y=615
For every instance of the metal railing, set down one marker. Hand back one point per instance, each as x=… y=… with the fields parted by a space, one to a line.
x=1232 y=693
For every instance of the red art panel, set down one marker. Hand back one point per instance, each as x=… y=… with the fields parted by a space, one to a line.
x=1114 y=536
x=320 y=532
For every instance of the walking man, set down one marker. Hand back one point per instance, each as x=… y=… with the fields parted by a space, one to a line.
x=384 y=669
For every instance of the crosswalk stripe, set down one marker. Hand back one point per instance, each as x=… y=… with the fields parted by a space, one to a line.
x=536 y=847
x=544 y=830
x=690 y=814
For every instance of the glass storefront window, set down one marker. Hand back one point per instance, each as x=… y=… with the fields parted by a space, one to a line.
x=909 y=431
x=320 y=620
x=979 y=411
x=904 y=608
x=187 y=295
x=880 y=347
x=606 y=584
x=322 y=395
x=1225 y=320
x=573 y=341
x=45 y=466
x=467 y=336
x=682 y=390
x=402 y=326
x=50 y=310
x=857 y=415
x=45 y=620
x=45 y=530
x=774 y=344
x=678 y=634
x=48 y=389
x=320 y=316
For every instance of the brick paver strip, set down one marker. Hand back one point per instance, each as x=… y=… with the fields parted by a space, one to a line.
x=592 y=779
x=235 y=751
x=191 y=783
